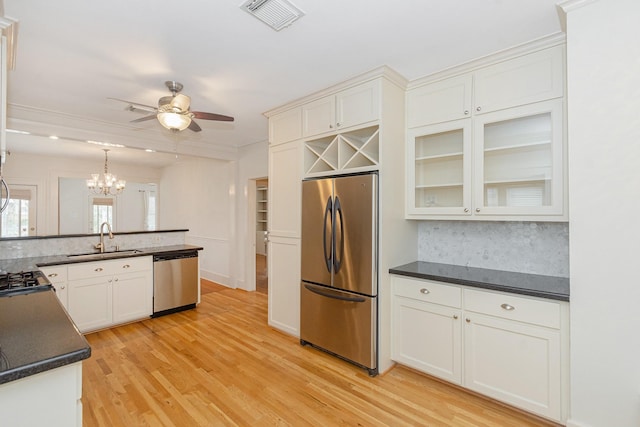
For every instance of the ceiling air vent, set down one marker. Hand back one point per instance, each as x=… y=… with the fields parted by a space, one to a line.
x=275 y=13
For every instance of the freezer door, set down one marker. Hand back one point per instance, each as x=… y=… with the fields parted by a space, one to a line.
x=355 y=259
x=340 y=322
x=317 y=207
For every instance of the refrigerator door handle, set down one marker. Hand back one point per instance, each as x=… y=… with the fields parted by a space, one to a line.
x=327 y=214
x=337 y=254
x=339 y=297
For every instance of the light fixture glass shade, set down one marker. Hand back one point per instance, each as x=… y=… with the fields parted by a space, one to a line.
x=107 y=183
x=173 y=121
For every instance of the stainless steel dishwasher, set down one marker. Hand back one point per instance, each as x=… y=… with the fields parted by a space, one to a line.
x=175 y=282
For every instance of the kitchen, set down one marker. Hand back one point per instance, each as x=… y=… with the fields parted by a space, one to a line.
x=617 y=381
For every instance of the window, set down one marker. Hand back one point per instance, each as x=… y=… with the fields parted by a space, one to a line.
x=101 y=210
x=19 y=218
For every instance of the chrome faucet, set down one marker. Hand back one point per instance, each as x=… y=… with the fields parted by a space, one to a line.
x=101 y=244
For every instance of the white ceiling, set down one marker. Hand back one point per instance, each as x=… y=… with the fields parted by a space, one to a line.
x=74 y=54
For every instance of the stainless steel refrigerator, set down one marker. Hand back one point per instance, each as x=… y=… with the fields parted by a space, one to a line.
x=339 y=288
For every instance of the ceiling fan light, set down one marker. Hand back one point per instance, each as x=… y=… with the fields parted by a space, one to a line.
x=181 y=102
x=174 y=121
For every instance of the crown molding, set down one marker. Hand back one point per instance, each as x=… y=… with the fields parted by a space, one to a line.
x=80 y=129
x=545 y=42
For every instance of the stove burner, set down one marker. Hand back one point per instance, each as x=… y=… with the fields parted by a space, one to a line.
x=21 y=280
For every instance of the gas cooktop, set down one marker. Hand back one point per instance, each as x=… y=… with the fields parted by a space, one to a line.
x=23 y=282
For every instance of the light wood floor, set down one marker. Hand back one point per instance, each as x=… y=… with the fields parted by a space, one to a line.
x=262 y=280
x=222 y=365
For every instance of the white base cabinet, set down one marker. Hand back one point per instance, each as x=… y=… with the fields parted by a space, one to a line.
x=101 y=294
x=56 y=393
x=511 y=348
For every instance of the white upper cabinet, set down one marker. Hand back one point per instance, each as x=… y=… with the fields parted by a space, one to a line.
x=438 y=102
x=530 y=78
x=347 y=108
x=285 y=126
x=490 y=144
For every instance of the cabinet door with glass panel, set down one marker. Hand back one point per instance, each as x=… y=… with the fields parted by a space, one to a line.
x=518 y=158
x=439 y=169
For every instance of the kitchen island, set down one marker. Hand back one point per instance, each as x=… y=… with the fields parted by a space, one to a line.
x=41 y=353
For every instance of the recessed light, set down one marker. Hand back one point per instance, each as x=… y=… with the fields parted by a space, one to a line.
x=149 y=150
x=53 y=137
x=21 y=132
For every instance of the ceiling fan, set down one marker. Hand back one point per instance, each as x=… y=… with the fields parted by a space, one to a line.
x=173 y=111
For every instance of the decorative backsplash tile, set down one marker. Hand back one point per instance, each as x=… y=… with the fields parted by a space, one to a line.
x=526 y=247
x=34 y=247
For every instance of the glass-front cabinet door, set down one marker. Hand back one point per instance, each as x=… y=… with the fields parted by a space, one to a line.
x=518 y=156
x=439 y=166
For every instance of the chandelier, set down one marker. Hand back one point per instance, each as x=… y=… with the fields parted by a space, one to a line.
x=107 y=184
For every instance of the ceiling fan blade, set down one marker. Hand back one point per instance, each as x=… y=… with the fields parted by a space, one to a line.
x=144 y=119
x=136 y=105
x=211 y=116
x=194 y=126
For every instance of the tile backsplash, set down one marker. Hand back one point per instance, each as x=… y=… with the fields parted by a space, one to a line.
x=47 y=246
x=526 y=247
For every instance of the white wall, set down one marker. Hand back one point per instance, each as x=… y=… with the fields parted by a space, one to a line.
x=44 y=171
x=253 y=164
x=603 y=53
x=197 y=194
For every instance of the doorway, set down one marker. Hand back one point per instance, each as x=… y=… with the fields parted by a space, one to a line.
x=262 y=211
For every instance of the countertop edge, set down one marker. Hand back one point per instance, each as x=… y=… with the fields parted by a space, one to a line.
x=479 y=284
x=25 y=371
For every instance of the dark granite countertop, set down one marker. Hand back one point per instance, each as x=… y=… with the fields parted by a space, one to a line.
x=36 y=335
x=30 y=264
x=550 y=287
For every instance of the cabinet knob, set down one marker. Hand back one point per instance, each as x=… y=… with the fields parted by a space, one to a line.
x=98 y=269
x=507 y=307
x=330 y=126
x=466 y=112
x=116 y=279
x=467 y=320
x=110 y=280
x=62 y=288
x=455 y=316
x=477 y=209
x=126 y=266
x=466 y=210
x=53 y=275
x=338 y=124
x=424 y=291
x=478 y=108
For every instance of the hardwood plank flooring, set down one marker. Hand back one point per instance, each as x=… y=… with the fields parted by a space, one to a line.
x=222 y=365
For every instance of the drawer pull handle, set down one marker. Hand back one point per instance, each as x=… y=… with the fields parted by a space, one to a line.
x=98 y=269
x=126 y=266
x=424 y=291
x=53 y=275
x=507 y=307
x=467 y=320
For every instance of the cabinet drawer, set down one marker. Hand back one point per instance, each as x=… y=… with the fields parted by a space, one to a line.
x=56 y=273
x=537 y=312
x=427 y=290
x=106 y=268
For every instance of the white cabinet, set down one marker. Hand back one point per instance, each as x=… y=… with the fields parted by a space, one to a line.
x=505 y=160
x=58 y=394
x=441 y=101
x=57 y=275
x=285 y=126
x=511 y=348
x=285 y=187
x=106 y=293
x=526 y=79
x=426 y=325
x=512 y=351
x=350 y=107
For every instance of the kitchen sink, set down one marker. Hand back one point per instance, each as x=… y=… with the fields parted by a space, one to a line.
x=107 y=254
